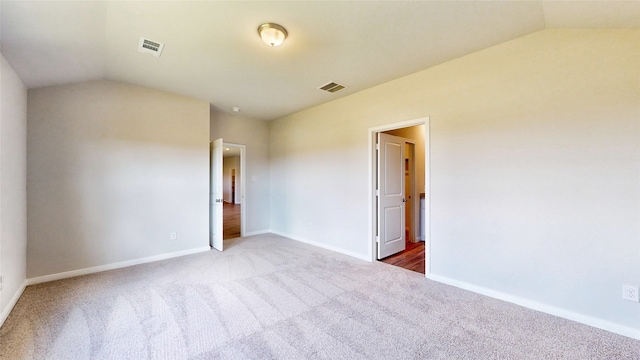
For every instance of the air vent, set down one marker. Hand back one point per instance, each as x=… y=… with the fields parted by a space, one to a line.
x=150 y=47
x=332 y=87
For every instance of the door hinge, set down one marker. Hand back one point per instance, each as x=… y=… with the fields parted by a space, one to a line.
x=377 y=192
x=377 y=239
x=377 y=146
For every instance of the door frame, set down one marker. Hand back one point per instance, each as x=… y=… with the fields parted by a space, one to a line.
x=243 y=193
x=415 y=216
x=373 y=133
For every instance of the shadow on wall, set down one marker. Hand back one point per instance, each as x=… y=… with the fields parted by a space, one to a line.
x=133 y=168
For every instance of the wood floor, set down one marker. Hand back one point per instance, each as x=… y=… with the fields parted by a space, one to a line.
x=412 y=258
x=230 y=221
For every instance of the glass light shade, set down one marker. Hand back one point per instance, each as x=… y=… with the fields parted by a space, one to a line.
x=272 y=34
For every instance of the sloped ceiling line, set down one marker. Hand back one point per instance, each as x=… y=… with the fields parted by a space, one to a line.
x=213 y=51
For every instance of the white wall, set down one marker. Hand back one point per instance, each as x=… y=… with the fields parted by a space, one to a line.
x=113 y=169
x=535 y=160
x=228 y=163
x=13 y=188
x=255 y=135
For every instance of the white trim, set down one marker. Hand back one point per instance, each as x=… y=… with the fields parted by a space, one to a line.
x=542 y=307
x=427 y=198
x=118 y=265
x=324 y=246
x=427 y=184
x=259 y=232
x=401 y=124
x=7 y=310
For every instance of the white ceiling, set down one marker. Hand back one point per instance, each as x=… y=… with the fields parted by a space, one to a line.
x=213 y=52
x=231 y=151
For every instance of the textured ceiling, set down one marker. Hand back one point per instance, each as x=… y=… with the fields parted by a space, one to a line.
x=213 y=52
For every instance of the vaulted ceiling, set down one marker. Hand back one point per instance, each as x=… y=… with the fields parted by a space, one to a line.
x=213 y=52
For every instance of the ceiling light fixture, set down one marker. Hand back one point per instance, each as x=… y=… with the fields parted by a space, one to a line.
x=272 y=34
x=235 y=109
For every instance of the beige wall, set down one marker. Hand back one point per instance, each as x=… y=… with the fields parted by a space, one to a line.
x=255 y=135
x=113 y=169
x=535 y=159
x=13 y=189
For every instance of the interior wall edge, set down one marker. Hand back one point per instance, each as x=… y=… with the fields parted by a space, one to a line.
x=364 y=257
x=14 y=300
x=113 y=266
x=542 y=307
x=257 y=232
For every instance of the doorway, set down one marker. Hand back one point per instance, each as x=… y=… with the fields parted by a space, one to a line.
x=399 y=184
x=233 y=194
x=232 y=191
x=412 y=257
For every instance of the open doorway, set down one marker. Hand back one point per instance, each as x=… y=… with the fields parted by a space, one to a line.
x=399 y=182
x=412 y=256
x=217 y=195
x=232 y=190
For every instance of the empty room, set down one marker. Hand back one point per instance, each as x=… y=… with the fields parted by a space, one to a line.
x=319 y=179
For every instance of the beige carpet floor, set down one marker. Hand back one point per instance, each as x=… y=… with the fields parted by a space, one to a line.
x=267 y=297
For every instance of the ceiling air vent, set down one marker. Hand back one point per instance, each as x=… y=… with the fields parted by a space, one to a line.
x=150 y=47
x=332 y=87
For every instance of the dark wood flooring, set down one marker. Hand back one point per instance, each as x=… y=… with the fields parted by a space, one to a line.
x=230 y=221
x=412 y=258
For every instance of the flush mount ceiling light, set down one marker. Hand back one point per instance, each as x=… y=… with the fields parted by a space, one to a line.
x=272 y=34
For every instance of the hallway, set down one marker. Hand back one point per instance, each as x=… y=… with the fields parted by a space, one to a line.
x=231 y=221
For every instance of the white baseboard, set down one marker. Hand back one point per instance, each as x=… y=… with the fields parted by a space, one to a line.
x=7 y=310
x=253 y=233
x=366 y=258
x=118 y=265
x=542 y=307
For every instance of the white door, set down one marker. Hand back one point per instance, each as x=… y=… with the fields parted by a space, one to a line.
x=391 y=213
x=215 y=198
